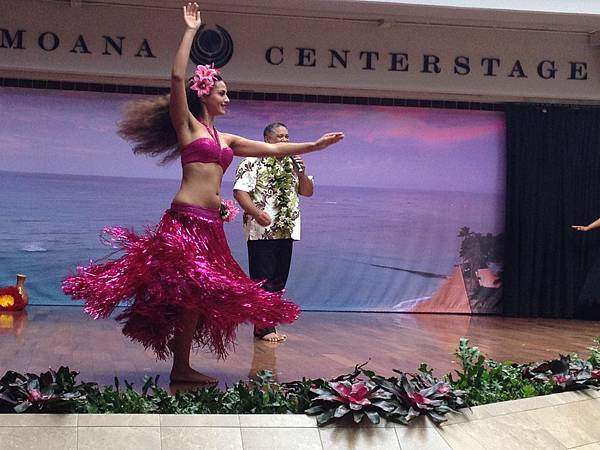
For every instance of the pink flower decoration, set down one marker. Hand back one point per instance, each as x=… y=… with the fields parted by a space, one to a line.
x=443 y=389
x=36 y=396
x=417 y=399
x=596 y=374
x=356 y=395
x=228 y=210
x=204 y=79
x=561 y=379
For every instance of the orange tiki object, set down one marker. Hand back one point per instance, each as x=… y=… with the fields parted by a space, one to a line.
x=14 y=298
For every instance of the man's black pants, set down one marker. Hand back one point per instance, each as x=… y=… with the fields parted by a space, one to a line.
x=270 y=260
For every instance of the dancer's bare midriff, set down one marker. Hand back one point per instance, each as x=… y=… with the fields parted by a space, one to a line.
x=200 y=185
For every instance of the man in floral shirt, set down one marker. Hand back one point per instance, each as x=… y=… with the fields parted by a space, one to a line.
x=267 y=190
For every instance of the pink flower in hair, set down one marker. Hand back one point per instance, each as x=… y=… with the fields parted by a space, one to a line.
x=204 y=79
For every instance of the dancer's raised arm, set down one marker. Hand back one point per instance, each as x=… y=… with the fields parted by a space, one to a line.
x=178 y=106
x=247 y=147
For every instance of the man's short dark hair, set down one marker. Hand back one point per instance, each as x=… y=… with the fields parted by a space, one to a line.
x=271 y=128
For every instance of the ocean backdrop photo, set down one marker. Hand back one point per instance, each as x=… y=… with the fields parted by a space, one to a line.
x=381 y=232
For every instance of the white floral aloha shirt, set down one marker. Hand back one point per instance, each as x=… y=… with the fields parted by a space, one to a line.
x=265 y=180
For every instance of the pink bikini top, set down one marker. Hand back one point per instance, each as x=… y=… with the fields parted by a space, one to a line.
x=207 y=150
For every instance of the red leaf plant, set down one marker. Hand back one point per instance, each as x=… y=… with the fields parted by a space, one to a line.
x=568 y=373
x=338 y=398
x=396 y=399
x=421 y=393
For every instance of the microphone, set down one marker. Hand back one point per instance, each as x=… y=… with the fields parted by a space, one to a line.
x=296 y=165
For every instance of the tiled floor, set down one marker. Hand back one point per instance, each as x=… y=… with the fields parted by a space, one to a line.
x=560 y=421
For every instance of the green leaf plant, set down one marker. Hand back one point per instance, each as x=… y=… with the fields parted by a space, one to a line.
x=355 y=396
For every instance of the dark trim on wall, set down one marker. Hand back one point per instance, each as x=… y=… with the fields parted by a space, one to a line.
x=245 y=95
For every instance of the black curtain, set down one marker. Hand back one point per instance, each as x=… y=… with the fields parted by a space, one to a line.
x=553 y=182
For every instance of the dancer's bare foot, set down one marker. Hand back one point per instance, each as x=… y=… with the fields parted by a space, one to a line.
x=269 y=334
x=274 y=337
x=189 y=375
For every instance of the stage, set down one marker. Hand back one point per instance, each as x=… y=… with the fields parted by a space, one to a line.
x=320 y=344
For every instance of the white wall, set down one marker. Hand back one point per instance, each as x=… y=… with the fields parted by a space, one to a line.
x=559 y=6
x=254 y=33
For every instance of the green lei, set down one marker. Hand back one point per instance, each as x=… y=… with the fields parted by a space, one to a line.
x=280 y=172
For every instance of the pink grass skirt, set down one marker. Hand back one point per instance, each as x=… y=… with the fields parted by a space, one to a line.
x=182 y=266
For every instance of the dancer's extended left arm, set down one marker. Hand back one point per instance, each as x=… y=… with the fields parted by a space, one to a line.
x=247 y=147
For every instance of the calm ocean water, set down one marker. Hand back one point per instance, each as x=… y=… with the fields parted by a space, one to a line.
x=356 y=242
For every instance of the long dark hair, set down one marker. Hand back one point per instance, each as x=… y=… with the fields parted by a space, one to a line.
x=147 y=124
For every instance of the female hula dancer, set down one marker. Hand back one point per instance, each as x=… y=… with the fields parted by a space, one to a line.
x=180 y=280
